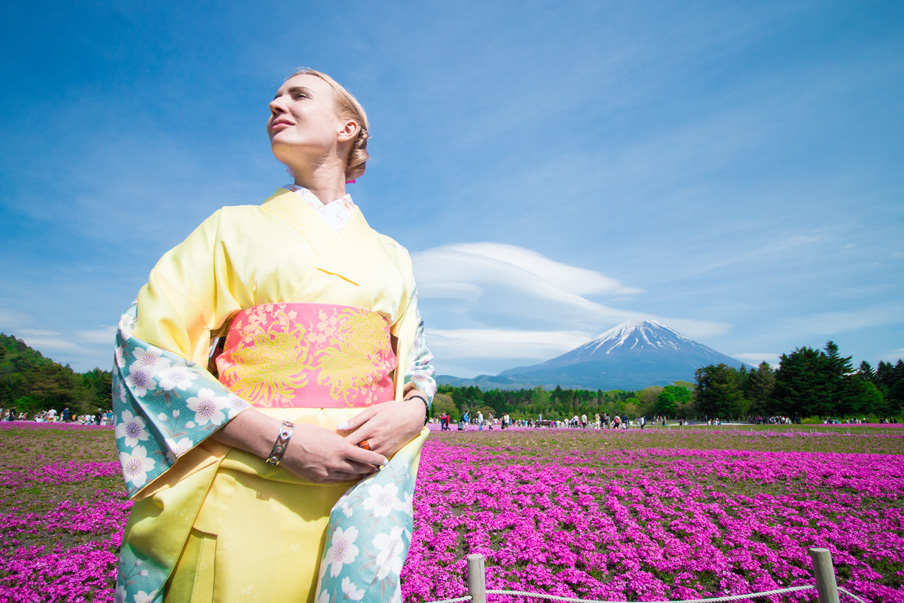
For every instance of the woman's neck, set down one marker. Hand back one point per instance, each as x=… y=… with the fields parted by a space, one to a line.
x=326 y=182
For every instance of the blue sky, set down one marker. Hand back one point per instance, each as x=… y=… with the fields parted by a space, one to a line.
x=733 y=170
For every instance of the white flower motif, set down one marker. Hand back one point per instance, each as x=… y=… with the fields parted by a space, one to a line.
x=161 y=416
x=390 y=547
x=345 y=507
x=121 y=392
x=342 y=549
x=143 y=597
x=383 y=499
x=236 y=405
x=397 y=594
x=119 y=359
x=131 y=428
x=136 y=465
x=181 y=447
x=207 y=407
x=150 y=359
x=119 y=595
x=324 y=597
x=127 y=323
x=178 y=376
x=350 y=592
x=140 y=380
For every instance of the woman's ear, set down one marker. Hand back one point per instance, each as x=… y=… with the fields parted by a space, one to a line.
x=349 y=130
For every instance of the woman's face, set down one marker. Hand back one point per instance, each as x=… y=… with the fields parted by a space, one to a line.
x=303 y=120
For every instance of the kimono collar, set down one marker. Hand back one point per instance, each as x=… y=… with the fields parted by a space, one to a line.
x=337 y=213
x=347 y=252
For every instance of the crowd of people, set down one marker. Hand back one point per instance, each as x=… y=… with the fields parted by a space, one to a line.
x=101 y=417
x=603 y=421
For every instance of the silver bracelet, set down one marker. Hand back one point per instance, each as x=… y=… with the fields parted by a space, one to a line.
x=282 y=442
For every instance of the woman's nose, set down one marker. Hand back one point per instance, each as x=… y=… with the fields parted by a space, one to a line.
x=276 y=107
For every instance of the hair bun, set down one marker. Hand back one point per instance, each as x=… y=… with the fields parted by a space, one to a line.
x=358 y=155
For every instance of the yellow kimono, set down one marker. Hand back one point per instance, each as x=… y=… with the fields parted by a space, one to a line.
x=214 y=523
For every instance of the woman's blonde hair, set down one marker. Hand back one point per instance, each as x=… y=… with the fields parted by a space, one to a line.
x=348 y=107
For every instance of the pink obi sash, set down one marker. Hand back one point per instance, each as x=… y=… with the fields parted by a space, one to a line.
x=305 y=355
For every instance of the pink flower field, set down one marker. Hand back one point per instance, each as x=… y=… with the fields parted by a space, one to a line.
x=620 y=516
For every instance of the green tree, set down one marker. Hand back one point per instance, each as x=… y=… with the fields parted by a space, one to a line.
x=672 y=402
x=442 y=403
x=803 y=384
x=866 y=371
x=539 y=399
x=665 y=405
x=719 y=392
x=758 y=388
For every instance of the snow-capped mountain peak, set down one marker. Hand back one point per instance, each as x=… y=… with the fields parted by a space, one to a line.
x=635 y=335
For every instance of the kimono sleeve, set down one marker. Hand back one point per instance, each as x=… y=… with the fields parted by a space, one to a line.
x=409 y=328
x=420 y=371
x=165 y=402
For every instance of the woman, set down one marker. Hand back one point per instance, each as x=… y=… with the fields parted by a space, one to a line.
x=288 y=475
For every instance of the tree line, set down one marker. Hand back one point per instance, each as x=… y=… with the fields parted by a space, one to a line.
x=30 y=383
x=807 y=383
x=557 y=404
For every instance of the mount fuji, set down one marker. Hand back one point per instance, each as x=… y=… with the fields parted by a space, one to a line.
x=631 y=356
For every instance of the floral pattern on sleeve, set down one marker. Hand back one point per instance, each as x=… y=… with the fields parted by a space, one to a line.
x=369 y=535
x=163 y=406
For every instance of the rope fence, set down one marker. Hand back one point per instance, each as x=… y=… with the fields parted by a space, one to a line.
x=823 y=572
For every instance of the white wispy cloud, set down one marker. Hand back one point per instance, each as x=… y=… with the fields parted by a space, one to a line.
x=458 y=344
x=490 y=305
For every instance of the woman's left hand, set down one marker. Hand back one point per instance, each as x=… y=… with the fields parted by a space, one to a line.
x=387 y=427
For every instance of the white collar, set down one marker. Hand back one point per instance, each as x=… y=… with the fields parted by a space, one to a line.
x=336 y=213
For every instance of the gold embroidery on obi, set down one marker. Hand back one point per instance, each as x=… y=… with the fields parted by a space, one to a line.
x=358 y=341
x=308 y=355
x=270 y=368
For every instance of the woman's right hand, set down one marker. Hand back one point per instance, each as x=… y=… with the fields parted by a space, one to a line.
x=321 y=456
x=314 y=454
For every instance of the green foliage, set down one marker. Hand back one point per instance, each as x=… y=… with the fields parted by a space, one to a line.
x=558 y=404
x=31 y=383
x=442 y=403
x=823 y=383
x=720 y=392
x=673 y=402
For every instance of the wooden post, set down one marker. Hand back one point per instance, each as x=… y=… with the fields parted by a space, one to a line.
x=825 y=575
x=477 y=581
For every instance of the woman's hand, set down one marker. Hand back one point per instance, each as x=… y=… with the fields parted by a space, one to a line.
x=322 y=456
x=387 y=427
x=314 y=453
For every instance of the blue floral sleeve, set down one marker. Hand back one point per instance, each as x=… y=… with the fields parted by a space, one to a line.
x=163 y=406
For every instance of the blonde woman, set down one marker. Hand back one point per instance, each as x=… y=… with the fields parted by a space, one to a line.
x=285 y=471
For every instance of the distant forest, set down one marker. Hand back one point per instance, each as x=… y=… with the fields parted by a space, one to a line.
x=808 y=383
x=29 y=382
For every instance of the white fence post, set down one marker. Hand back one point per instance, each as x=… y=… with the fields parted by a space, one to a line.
x=477 y=581
x=825 y=575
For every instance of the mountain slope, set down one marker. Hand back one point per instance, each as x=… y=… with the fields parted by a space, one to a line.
x=632 y=355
